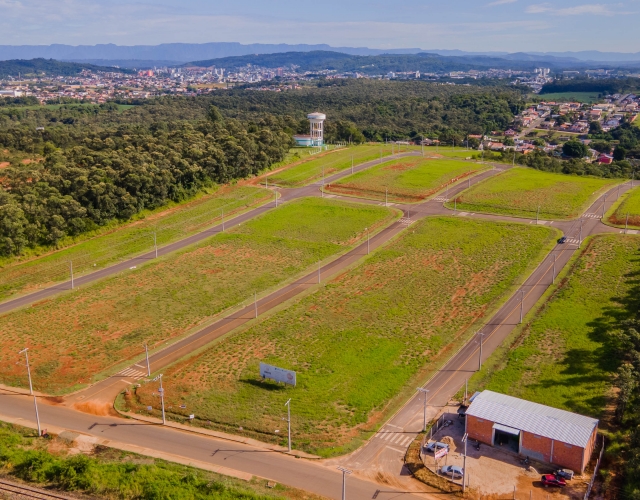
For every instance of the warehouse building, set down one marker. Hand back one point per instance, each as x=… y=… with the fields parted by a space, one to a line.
x=540 y=432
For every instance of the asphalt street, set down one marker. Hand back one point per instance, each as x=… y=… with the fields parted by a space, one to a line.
x=379 y=453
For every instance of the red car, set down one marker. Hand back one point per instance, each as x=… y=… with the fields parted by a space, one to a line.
x=551 y=480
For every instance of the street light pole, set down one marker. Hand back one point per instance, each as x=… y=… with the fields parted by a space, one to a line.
x=626 y=224
x=580 y=241
x=155 y=243
x=480 y=357
x=344 y=481
x=71 y=271
x=521 y=304
x=464 y=463
x=424 y=412
x=368 y=248
x=35 y=402
x=554 y=268
x=146 y=352
x=222 y=219
x=161 y=391
x=288 y=405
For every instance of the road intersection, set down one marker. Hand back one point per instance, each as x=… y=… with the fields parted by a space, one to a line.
x=381 y=456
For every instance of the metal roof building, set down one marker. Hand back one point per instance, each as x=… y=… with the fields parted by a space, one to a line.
x=541 y=432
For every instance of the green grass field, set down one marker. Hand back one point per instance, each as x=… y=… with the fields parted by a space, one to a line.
x=360 y=343
x=447 y=151
x=310 y=169
x=565 y=358
x=411 y=179
x=113 y=243
x=76 y=336
x=586 y=97
x=520 y=191
x=629 y=203
x=109 y=473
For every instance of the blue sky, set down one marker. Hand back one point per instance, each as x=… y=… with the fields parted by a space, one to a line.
x=473 y=25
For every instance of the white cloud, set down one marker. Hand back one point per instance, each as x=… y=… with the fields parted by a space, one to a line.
x=595 y=9
x=500 y=2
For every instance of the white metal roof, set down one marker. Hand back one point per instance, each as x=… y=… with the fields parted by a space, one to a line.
x=559 y=425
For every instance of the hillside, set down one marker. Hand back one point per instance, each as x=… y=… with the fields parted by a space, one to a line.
x=48 y=67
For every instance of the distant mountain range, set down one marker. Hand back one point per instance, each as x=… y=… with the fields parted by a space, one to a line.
x=170 y=54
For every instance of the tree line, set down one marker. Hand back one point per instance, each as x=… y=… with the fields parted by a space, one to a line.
x=91 y=176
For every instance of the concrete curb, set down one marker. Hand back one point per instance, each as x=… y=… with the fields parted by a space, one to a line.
x=218 y=435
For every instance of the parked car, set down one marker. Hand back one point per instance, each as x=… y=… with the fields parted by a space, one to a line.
x=564 y=473
x=452 y=471
x=551 y=480
x=431 y=447
x=562 y=240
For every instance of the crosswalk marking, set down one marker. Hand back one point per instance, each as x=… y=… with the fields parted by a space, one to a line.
x=406 y=222
x=592 y=216
x=396 y=438
x=131 y=373
x=574 y=241
x=441 y=198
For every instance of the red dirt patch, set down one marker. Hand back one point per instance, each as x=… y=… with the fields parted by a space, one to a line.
x=96 y=408
x=4 y=164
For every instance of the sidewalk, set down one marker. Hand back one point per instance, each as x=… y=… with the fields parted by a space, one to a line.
x=218 y=435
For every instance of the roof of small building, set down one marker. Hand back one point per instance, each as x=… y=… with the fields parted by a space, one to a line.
x=559 y=425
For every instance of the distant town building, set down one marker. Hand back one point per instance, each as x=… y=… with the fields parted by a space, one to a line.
x=537 y=431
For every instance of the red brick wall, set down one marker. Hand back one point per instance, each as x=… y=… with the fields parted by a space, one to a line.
x=568 y=456
x=590 y=447
x=479 y=429
x=537 y=447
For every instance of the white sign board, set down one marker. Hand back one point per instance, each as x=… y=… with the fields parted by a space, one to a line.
x=441 y=453
x=278 y=374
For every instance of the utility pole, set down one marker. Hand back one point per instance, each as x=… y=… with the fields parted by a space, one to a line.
x=352 y=164
x=604 y=203
x=367 y=240
x=222 y=219
x=255 y=302
x=580 y=241
x=161 y=391
x=344 y=481
x=146 y=352
x=288 y=405
x=422 y=144
x=553 y=280
x=464 y=463
x=626 y=224
x=71 y=271
x=155 y=243
x=521 y=304
x=35 y=402
x=480 y=357
x=424 y=412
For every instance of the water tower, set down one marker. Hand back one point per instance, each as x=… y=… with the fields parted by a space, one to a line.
x=316 y=121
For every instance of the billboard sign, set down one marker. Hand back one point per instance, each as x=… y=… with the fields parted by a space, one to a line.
x=278 y=374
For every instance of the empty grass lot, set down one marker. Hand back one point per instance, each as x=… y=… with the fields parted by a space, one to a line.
x=629 y=204
x=521 y=191
x=360 y=343
x=411 y=179
x=564 y=357
x=310 y=169
x=19 y=276
x=80 y=334
x=448 y=152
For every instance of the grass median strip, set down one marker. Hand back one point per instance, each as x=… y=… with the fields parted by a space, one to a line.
x=525 y=192
x=405 y=180
x=88 y=255
x=80 y=334
x=311 y=169
x=564 y=357
x=359 y=343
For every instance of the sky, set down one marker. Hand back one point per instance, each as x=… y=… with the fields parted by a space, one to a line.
x=471 y=25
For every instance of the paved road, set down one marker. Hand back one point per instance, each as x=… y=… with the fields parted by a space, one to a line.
x=304 y=474
x=379 y=454
x=286 y=195
x=383 y=451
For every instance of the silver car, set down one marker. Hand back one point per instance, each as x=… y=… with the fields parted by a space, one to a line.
x=452 y=471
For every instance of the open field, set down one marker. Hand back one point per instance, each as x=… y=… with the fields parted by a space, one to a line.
x=411 y=179
x=564 y=357
x=107 y=473
x=360 y=342
x=75 y=337
x=447 y=151
x=110 y=244
x=523 y=191
x=310 y=169
x=629 y=203
x=586 y=97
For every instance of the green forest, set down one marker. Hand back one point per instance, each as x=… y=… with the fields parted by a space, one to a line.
x=49 y=67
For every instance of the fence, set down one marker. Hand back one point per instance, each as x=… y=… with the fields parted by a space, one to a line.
x=595 y=471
